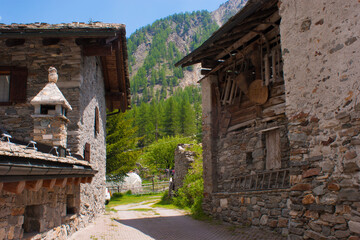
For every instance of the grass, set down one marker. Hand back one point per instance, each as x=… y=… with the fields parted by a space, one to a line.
x=123 y=199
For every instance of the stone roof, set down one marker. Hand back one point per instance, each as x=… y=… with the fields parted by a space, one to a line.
x=17 y=150
x=62 y=26
x=50 y=94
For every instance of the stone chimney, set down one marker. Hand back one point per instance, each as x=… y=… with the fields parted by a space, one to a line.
x=50 y=121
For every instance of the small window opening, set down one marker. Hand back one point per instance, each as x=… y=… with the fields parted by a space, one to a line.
x=47 y=109
x=70 y=204
x=63 y=111
x=87 y=152
x=249 y=158
x=4 y=87
x=33 y=219
x=97 y=120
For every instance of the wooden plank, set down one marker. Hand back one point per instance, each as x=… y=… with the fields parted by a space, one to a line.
x=273 y=150
x=77 y=181
x=14 y=187
x=34 y=185
x=83 y=180
x=237 y=126
x=1 y=185
x=69 y=181
x=239 y=120
x=274 y=110
x=89 y=179
x=49 y=183
x=97 y=50
x=273 y=18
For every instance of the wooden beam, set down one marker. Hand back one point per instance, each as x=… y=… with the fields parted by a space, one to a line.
x=50 y=41
x=77 y=181
x=121 y=73
x=1 y=185
x=97 y=50
x=49 y=183
x=89 y=179
x=34 y=185
x=205 y=71
x=207 y=63
x=14 y=42
x=83 y=180
x=249 y=36
x=14 y=187
x=69 y=181
x=61 y=182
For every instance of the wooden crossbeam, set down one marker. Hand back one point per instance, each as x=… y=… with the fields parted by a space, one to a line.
x=97 y=50
x=61 y=182
x=14 y=187
x=49 y=183
x=34 y=185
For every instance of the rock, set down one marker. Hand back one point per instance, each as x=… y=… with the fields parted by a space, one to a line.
x=297 y=231
x=329 y=199
x=264 y=219
x=272 y=223
x=351 y=195
x=301 y=187
x=311 y=214
x=351 y=167
x=326 y=231
x=319 y=190
x=342 y=234
x=343 y=209
x=350 y=155
x=282 y=222
x=314 y=235
x=315 y=227
x=354 y=227
x=223 y=203
x=308 y=199
x=311 y=172
x=333 y=187
x=353 y=238
x=17 y=211
x=332 y=218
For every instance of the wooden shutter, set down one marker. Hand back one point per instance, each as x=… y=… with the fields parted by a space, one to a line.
x=18 y=82
x=273 y=151
x=87 y=152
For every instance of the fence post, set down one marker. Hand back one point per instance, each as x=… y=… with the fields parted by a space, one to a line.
x=153 y=184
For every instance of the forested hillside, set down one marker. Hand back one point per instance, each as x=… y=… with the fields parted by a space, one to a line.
x=166 y=101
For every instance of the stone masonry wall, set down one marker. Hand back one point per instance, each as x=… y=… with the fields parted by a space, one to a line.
x=320 y=45
x=81 y=82
x=183 y=159
x=92 y=96
x=45 y=210
x=66 y=58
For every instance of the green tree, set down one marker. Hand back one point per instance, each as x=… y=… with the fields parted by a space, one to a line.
x=120 y=145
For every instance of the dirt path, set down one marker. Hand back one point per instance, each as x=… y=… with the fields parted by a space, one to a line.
x=141 y=221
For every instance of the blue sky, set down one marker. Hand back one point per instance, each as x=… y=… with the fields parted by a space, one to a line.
x=133 y=13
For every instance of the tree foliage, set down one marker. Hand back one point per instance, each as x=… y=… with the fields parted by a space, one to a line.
x=121 y=143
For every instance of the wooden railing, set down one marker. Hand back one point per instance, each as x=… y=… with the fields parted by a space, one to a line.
x=267 y=180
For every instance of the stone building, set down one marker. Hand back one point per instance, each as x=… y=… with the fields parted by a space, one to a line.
x=52 y=148
x=281 y=118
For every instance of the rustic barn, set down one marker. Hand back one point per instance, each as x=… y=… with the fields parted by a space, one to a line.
x=278 y=141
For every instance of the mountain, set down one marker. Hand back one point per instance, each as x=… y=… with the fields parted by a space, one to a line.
x=155 y=48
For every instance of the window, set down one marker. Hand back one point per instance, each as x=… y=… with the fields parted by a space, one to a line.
x=33 y=219
x=97 y=120
x=70 y=205
x=87 y=152
x=273 y=155
x=4 y=87
x=47 y=109
x=13 y=82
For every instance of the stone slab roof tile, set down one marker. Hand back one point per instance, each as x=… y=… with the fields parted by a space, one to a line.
x=16 y=150
x=62 y=26
x=50 y=94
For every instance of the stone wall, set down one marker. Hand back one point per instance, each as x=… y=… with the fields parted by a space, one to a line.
x=320 y=45
x=23 y=215
x=92 y=95
x=183 y=159
x=81 y=82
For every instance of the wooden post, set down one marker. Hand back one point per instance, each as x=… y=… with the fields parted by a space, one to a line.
x=83 y=180
x=61 y=182
x=49 y=183
x=89 y=179
x=34 y=185
x=1 y=185
x=14 y=187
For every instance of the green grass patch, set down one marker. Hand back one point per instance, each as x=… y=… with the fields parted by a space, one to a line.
x=123 y=199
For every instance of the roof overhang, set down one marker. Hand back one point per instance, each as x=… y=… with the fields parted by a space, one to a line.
x=106 y=41
x=226 y=40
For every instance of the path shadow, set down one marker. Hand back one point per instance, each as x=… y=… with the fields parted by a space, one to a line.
x=186 y=228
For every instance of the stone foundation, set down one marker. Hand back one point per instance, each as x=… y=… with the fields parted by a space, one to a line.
x=46 y=214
